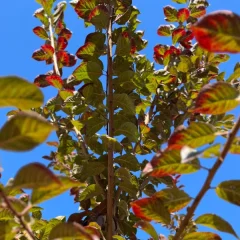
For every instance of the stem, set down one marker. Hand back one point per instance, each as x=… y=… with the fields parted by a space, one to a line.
x=18 y=215
x=110 y=191
x=55 y=64
x=207 y=185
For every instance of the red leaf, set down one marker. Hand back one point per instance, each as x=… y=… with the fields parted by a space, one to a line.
x=41 y=32
x=48 y=49
x=60 y=26
x=62 y=43
x=178 y=34
x=40 y=81
x=84 y=7
x=159 y=51
x=55 y=81
x=183 y=14
x=150 y=209
x=219 y=32
x=66 y=59
x=66 y=33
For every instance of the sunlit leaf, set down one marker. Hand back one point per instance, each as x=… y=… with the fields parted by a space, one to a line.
x=201 y=236
x=90 y=192
x=197 y=134
x=173 y=198
x=165 y=30
x=183 y=14
x=198 y=12
x=19 y=93
x=216 y=98
x=229 y=191
x=55 y=81
x=148 y=228
x=215 y=222
x=84 y=7
x=218 y=32
x=180 y=1
x=24 y=131
x=177 y=34
x=150 y=209
x=41 y=32
x=123 y=44
x=170 y=13
x=169 y=162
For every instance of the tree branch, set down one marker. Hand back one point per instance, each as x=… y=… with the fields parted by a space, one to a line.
x=18 y=215
x=207 y=185
x=110 y=192
x=55 y=64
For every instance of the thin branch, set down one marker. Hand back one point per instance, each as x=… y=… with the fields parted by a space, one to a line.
x=18 y=215
x=56 y=69
x=110 y=192
x=207 y=185
x=149 y=115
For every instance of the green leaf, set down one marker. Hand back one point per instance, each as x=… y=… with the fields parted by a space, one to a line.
x=216 y=98
x=229 y=191
x=84 y=7
x=169 y=162
x=53 y=189
x=123 y=47
x=215 y=222
x=90 y=192
x=150 y=209
x=19 y=93
x=90 y=71
x=34 y=175
x=6 y=232
x=170 y=14
x=99 y=17
x=173 y=198
x=148 y=228
x=47 y=5
x=41 y=32
x=117 y=237
x=49 y=226
x=125 y=102
x=196 y=135
x=201 y=236
x=69 y=231
x=129 y=130
x=24 y=131
x=218 y=32
x=94 y=124
x=180 y=1
x=5 y=215
x=128 y=161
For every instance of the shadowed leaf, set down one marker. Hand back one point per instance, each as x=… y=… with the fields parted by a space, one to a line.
x=90 y=192
x=215 y=222
x=24 y=131
x=34 y=175
x=19 y=93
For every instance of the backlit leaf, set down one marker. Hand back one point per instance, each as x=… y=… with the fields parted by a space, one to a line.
x=88 y=71
x=197 y=134
x=41 y=32
x=19 y=93
x=170 y=13
x=84 y=7
x=183 y=14
x=201 y=236
x=61 y=43
x=123 y=47
x=165 y=30
x=180 y=1
x=173 y=198
x=198 y=12
x=216 y=98
x=90 y=192
x=125 y=102
x=129 y=130
x=169 y=162
x=129 y=161
x=99 y=16
x=218 y=32
x=177 y=34
x=215 y=222
x=34 y=175
x=229 y=191
x=55 y=81
x=150 y=209
x=148 y=228
x=53 y=189
x=40 y=55
x=24 y=131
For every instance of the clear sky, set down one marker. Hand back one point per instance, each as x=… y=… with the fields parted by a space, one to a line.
x=17 y=43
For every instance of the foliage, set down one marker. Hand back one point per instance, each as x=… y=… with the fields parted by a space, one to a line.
x=115 y=107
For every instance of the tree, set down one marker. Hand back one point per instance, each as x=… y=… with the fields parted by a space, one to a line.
x=115 y=107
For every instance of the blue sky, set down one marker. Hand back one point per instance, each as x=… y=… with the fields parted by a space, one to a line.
x=17 y=44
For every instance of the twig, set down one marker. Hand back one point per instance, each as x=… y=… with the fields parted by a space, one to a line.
x=110 y=210
x=207 y=185
x=18 y=215
x=149 y=115
x=56 y=69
